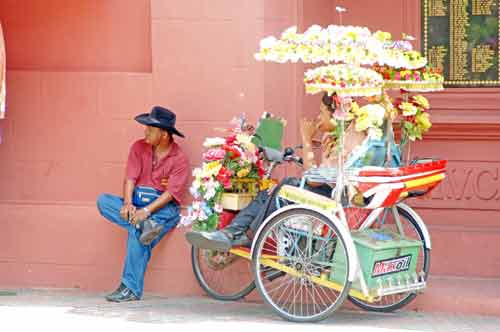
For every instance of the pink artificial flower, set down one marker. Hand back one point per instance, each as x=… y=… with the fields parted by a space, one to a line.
x=214 y=154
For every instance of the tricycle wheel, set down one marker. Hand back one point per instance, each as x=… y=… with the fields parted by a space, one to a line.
x=301 y=265
x=222 y=275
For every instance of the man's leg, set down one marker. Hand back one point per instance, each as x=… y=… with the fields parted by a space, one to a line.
x=234 y=234
x=244 y=218
x=109 y=206
x=138 y=255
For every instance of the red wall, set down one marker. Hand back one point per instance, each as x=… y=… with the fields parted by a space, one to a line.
x=79 y=70
x=75 y=35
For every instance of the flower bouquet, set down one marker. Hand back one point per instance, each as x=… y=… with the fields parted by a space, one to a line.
x=415 y=119
x=228 y=178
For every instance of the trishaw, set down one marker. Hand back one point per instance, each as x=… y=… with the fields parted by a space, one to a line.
x=363 y=243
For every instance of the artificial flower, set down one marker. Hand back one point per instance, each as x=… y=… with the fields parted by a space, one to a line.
x=243 y=172
x=421 y=101
x=210 y=169
x=370 y=118
x=214 y=154
x=213 y=142
x=423 y=122
x=233 y=151
x=224 y=177
x=244 y=140
x=408 y=109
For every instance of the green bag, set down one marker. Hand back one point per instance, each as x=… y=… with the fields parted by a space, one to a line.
x=269 y=134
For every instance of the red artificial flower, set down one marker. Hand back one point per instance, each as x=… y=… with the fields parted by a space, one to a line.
x=410 y=118
x=232 y=151
x=224 y=177
x=260 y=168
x=398 y=102
x=230 y=139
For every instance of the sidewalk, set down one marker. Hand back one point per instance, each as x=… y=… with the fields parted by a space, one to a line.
x=36 y=310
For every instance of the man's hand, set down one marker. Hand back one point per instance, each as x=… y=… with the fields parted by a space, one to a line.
x=164 y=182
x=127 y=211
x=308 y=129
x=139 y=216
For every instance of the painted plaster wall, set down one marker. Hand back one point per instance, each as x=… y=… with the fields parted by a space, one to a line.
x=78 y=72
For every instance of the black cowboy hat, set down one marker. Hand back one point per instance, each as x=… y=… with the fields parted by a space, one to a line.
x=160 y=117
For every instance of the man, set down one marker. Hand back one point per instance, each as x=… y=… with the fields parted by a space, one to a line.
x=156 y=176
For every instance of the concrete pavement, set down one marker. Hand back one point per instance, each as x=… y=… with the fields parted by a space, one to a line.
x=34 y=310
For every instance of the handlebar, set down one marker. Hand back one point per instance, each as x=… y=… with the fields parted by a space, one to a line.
x=276 y=157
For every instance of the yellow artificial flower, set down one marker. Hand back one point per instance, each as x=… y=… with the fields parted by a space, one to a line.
x=423 y=122
x=362 y=122
x=422 y=101
x=382 y=35
x=211 y=169
x=243 y=172
x=408 y=109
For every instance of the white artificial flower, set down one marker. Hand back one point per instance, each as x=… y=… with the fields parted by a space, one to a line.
x=218 y=208
x=268 y=42
x=213 y=142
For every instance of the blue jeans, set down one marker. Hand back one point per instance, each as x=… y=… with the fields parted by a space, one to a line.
x=138 y=255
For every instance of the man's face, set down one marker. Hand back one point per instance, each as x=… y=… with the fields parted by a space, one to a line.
x=153 y=135
x=324 y=117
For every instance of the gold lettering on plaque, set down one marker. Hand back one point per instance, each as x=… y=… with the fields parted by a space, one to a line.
x=482 y=58
x=437 y=8
x=482 y=7
x=459 y=20
x=436 y=56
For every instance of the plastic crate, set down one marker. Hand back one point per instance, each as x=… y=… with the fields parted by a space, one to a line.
x=236 y=201
x=386 y=259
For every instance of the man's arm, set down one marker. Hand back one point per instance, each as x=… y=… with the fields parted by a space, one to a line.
x=157 y=204
x=308 y=129
x=132 y=172
x=128 y=190
x=128 y=210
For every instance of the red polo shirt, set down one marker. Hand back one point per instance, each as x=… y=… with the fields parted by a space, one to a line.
x=174 y=166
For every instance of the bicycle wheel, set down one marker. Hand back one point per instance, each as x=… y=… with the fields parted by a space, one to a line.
x=412 y=231
x=222 y=275
x=300 y=264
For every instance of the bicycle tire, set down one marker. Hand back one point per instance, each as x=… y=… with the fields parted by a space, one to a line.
x=211 y=290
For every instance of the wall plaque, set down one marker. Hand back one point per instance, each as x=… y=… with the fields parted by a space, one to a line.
x=461 y=37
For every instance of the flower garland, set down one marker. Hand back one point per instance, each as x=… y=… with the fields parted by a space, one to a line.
x=225 y=161
x=339 y=44
x=343 y=80
x=335 y=43
x=425 y=79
